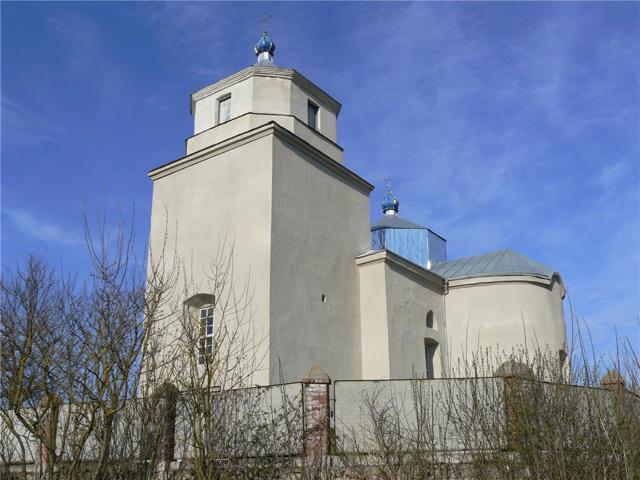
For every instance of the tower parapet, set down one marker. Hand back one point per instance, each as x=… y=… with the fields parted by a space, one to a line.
x=261 y=94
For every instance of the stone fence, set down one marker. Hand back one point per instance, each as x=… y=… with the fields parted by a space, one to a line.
x=312 y=421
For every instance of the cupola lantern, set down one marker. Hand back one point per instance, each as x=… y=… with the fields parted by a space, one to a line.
x=390 y=204
x=265 y=49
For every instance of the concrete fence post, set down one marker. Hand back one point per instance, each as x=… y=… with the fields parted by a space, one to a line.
x=316 y=416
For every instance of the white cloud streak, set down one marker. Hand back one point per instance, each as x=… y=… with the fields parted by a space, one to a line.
x=41 y=229
x=22 y=126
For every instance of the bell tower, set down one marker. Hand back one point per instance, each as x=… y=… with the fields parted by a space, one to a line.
x=263 y=168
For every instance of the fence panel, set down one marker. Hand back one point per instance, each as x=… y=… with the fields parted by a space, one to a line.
x=435 y=414
x=250 y=422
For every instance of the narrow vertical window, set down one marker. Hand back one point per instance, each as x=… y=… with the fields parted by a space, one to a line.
x=312 y=115
x=224 y=109
x=205 y=343
x=562 y=357
x=430 y=319
x=430 y=349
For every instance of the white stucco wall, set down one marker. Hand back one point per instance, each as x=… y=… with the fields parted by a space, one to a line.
x=395 y=297
x=409 y=298
x=205 y=110
x=320 y=222
x=374 y=323
x=226 y=193
x=297 y=218
x=327 y=119
x=271 y=95
x=504 y=313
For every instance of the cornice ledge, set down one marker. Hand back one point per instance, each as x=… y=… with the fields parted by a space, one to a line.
x=504 y=278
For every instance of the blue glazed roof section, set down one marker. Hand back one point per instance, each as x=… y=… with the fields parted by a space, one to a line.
x=502 y=262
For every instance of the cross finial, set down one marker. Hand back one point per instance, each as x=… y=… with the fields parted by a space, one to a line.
x=266 y=21
x=389 y=183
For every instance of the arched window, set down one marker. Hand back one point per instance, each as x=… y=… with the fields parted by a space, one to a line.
x=430 y=319
x=430 y=350
x=201 y=309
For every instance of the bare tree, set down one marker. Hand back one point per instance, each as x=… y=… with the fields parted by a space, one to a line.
x=106 y=378
x=71 y=358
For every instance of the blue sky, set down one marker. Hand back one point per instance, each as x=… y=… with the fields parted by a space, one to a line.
x=503 y=124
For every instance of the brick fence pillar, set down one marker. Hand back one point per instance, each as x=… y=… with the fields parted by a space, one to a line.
x=316 y=416
x=614 y=383
x=48 y=431
x=511 y=391
x=165 y=422
x=516 y=377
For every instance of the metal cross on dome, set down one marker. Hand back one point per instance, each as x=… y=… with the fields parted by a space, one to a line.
x=389 y=183
x=266 y=21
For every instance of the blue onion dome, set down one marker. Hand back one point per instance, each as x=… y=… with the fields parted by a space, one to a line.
x=265 y=44
x=390 y=203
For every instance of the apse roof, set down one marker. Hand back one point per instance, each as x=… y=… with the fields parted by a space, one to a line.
x=502 y=262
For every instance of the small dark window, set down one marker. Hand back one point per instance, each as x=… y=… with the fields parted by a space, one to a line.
x=562 y=356
x=430 y=319
x=312 y=115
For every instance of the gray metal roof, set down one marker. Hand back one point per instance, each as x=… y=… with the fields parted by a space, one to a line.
x=393 y=221
x=502 y=262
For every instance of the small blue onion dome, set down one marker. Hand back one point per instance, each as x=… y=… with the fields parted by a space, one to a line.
x=265 y=44
x=390 y=202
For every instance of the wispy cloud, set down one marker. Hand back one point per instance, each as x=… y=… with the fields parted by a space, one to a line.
x=185 y=28
x=42 y=229
x=22 y=126
x=609 y=175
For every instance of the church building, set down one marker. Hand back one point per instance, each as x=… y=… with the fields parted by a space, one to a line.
x=363 y=300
